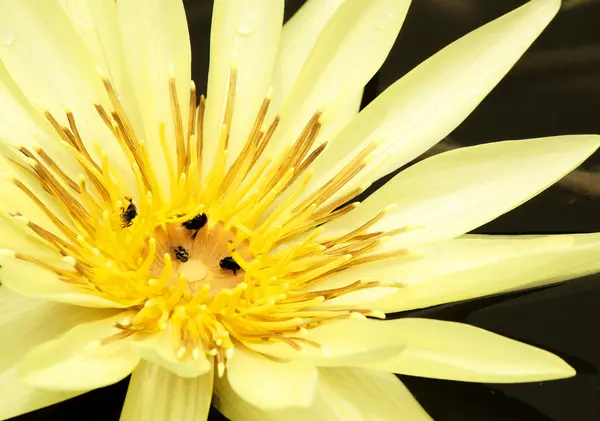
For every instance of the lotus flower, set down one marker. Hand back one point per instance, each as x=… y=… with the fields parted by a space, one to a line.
x=216 y=247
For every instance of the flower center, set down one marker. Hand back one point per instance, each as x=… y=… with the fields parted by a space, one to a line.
x=233 y=255
x=198 y=254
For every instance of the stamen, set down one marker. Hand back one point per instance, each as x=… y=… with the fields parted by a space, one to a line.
x=62 y=227
x=244 y=155
x=230 y=98
x=50 y=162
x=200 y=131
x=178 y=126
x=231 y=257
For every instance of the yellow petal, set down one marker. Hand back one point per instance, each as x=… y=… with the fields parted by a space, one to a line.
x=79 y=360
x=96 y=23
x=455 y=192
x=17 y=236
x=154 y=35
x=34 y=281
x=25 y=323
x=14 y=201
x=61 y=74
x=429 y=102
x=156 y=394
x=249 y=29
x=522 y=263
x=581 y=259
x=159 y=349
x=455 y=351
x=343 y=394
x=269 y=384
x=349 y=50
x=467 y=267
x=348 y=342
x=17 y=398
x=22 y=125
x=423 y=347
x=297 y=39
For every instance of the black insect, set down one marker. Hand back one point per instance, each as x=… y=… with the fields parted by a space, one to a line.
x=228 y=263
x=181 y=254
x=196 y=223
x=127 y=214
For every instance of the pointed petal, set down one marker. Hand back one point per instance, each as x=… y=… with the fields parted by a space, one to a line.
x=17 y=398
x=22 y=125
x=343 y=394
x=154 y=34
x=271 y=385
x=429 y=102
x=581 y=259
x=16 y=235
x=519 y=264
x=349 y=50
x=455 y=192
x=159 y=349
x=346 y=342
x=79 y=360
x=423 y=347
x=297 y=40
x=61 y=74
x=96 y=23
x=33 y=281
x=156 y=394
x=345 y=108
x=298 y=37
x=468 y=267
x=456 y=351
x=249 y=29
x=18 y=209
x=24 y=323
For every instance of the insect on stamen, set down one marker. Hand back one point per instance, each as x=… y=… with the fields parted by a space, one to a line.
x=228 y=263
x=128 y=214
x=181 y=254
x=196 y=223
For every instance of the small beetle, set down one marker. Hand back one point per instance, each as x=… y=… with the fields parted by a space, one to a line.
x=128 y=214
x=181 y=254
x=228 y=263
x=196 y=223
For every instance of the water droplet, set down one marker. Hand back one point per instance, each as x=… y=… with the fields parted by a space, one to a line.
x=246 y=24
x=8 y=40
x=385 y=21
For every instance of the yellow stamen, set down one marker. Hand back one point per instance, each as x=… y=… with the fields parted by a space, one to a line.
x=222 y=259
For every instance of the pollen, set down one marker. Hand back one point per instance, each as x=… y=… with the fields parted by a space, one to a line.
x=235 y=255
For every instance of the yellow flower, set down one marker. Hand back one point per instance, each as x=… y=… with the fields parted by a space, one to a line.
x=218 y=248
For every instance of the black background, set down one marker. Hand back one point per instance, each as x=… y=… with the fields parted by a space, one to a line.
x=554 y=89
